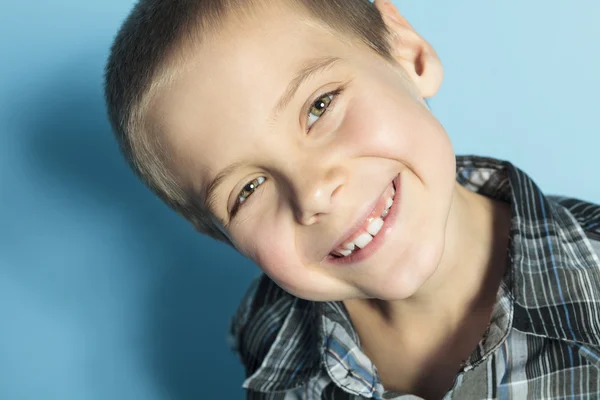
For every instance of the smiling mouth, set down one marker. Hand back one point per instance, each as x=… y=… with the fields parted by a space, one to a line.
x=370 y=228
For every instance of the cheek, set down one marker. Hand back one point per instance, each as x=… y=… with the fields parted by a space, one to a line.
x=272 y=247
x=387 y=121
x=377 y=119
x=270 y=244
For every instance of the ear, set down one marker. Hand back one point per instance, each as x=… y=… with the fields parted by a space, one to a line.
x=411 y=51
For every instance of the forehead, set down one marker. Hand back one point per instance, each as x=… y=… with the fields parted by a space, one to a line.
x=229 y=86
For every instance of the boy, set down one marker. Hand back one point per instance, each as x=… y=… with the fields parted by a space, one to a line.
x=297 y=131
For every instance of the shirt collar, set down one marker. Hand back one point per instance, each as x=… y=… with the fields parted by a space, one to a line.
x=554 y=272
x=550 y=290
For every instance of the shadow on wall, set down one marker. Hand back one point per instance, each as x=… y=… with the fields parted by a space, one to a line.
x=191 y=286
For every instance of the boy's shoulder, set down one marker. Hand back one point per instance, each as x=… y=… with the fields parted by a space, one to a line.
x=501 y=179
x=266 y=330
x=557 y=275
x=587 y=214
x=261 y=298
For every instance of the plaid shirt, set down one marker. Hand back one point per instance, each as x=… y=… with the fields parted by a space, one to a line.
x=544 y=337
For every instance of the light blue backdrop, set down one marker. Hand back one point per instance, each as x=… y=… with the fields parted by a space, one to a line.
x=106 y=294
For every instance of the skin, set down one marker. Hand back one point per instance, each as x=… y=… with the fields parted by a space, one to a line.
x=439 y=268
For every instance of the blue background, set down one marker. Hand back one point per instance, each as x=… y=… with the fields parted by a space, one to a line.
x=107 y=294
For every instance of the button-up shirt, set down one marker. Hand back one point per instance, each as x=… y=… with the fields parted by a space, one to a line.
x=543 y=341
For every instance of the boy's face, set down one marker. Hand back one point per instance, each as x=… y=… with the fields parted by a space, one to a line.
x=304 y=181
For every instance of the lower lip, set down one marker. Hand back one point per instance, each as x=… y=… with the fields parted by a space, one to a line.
x=388 y=224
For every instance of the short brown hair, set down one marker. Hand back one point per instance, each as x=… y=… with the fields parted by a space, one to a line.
x=139 y=63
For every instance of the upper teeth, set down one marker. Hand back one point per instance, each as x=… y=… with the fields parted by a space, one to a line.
x=362 y=240
x=375 y=225
x=365 y=238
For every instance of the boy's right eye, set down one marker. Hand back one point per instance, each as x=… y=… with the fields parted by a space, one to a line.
x=246 y=192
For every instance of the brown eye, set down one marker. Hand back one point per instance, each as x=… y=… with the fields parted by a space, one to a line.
x=318 y=108
x=249 y=189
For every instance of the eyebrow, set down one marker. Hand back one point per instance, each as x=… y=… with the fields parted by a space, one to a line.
x=306 y=71
x=210 y=195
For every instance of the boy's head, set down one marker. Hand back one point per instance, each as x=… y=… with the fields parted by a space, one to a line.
x=283 y=126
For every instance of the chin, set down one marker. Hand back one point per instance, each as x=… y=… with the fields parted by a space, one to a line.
x=317 y=287
x=408 y=274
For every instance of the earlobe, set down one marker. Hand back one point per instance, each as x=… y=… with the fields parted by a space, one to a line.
x=411 y=51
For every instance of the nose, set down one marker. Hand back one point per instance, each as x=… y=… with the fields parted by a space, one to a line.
x=316 y=193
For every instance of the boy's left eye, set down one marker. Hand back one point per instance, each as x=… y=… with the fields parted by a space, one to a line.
x=320 y=107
